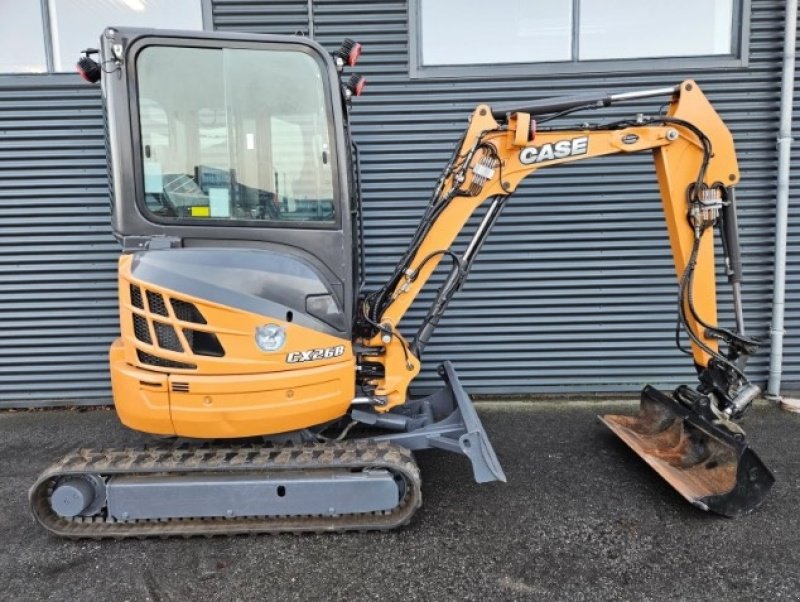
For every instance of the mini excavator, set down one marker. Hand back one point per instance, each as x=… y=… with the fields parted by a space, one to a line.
x=246 y=330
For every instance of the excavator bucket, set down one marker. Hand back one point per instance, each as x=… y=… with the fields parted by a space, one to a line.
x=710 y=467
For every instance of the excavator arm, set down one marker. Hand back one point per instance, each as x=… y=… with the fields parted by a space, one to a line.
x=696 y=168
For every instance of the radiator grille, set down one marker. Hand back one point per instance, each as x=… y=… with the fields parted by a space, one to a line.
x=156 y=322
x=140 y=330
x=136 y=297
x=187 y=312
x=147 y=358
x=167 y=337
x=155 y=302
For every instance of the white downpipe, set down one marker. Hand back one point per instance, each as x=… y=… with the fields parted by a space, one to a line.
x=782 y=202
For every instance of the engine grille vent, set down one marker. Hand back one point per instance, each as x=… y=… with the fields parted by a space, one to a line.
x=187 y=312
x=180 y=387
x=136 y=297
x=157 y=322
x=152 y=360
x=155 y=302
x=140 y=330
x=167 y=337
x=203 y=343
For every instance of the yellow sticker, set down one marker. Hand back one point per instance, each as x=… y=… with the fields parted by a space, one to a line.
x=200 y=212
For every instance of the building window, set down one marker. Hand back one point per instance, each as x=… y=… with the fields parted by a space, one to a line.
x=21 y=41
x=625 y=29
x=513 y=31
x=48 y=35
x=451 y=39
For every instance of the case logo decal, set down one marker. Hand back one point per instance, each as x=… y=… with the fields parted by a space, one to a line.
x=554 y=150
x=313 y=355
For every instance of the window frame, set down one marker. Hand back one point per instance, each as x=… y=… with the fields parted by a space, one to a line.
x=132 y=85
x=739 y=57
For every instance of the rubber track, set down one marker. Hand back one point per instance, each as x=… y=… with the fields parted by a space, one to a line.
x=251 y=459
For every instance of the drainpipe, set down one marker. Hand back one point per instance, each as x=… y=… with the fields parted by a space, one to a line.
x=310 y=9
x=782 y=203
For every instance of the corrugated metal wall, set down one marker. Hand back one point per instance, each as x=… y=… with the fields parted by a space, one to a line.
x=791 y=357
x=574 y=290
x=58 y=308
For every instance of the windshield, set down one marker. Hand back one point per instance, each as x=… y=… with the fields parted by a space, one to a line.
x=234 y=134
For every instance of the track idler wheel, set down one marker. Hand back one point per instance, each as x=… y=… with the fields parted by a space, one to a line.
x=708 y=465
x=78 y=495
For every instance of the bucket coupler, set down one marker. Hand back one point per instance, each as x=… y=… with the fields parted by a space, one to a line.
x=445 y=420
x=710 y=466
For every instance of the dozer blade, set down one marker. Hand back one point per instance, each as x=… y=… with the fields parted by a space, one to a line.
x=713 y=469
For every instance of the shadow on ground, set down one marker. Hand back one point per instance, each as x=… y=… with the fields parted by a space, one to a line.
x=581 y=518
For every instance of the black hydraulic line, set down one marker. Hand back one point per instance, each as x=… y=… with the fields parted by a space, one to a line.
x=380 y=299
x=664 y=119
x=584 y=101
x=456 y=259
x=685 y=297
x=704 y=140
x=456 y=277
x=730 y=240
x=556 y=105
x=360 y=203
x=436 y=205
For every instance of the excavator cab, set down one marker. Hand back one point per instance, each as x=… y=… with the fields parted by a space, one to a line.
x=219 y=141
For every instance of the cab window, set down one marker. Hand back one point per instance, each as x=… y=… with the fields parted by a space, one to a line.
x=234 y=134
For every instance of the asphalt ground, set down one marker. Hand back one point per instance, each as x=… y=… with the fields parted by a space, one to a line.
x=581 y=518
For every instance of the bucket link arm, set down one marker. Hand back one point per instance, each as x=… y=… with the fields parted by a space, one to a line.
x=491 y=162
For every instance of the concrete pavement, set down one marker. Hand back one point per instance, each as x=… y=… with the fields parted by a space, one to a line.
x=581 y=518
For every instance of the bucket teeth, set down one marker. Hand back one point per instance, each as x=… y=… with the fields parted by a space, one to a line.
x=705 y=463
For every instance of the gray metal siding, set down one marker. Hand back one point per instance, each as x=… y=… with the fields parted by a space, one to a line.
x=574 y=290
x=791 y=350
x=58 y=307
x=258 y=16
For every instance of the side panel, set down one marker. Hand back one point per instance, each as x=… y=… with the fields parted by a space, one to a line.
x=216 y=406
x=188 y=362
x=260 y=404
x=198 y=326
